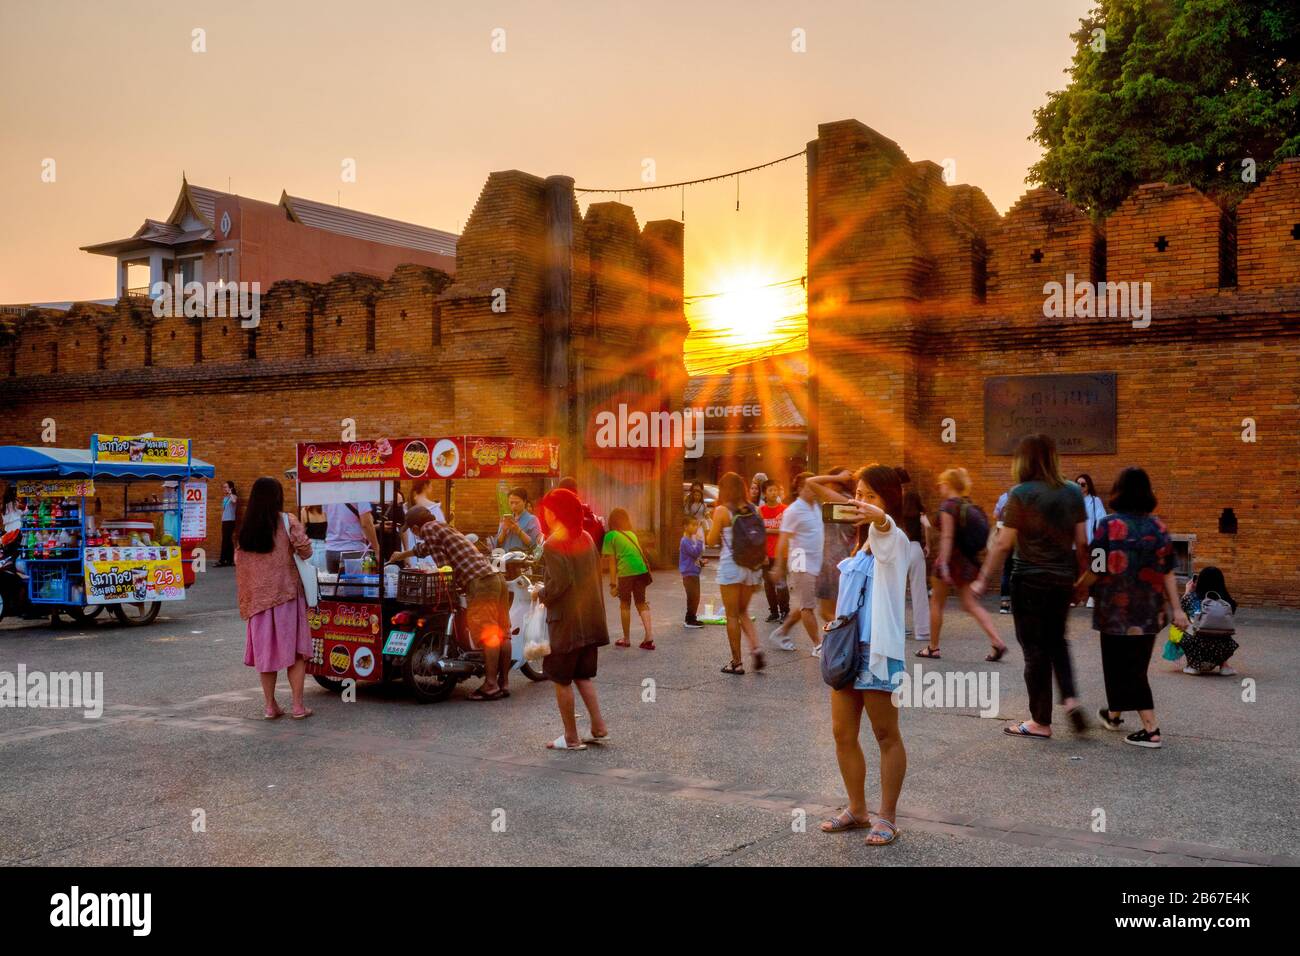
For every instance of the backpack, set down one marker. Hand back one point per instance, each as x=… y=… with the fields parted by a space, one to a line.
x=748 y=538
x=594 y=525
x=972 y=533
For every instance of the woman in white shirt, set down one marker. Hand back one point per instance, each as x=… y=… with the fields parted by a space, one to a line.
x=873 y=583
x=1093 y=507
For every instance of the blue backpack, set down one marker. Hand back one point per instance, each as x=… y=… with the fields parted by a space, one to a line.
x=748 y=538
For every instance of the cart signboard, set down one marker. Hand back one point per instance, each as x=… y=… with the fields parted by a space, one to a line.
x=57 y=488
x=345 y=640
x=133 y=574
x=140 y=450
x=494 y=457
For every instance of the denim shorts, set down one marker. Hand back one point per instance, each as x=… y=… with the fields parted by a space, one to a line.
x=869 y=681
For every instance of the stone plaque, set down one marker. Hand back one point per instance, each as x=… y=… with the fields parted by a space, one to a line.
x=1079 y=411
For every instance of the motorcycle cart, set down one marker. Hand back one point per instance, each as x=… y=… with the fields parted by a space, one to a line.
x=383 y=625
x=68 y=559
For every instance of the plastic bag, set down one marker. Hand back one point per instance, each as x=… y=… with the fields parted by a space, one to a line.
x=537 y=636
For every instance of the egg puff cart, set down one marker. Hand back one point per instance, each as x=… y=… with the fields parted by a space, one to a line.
x=367 y=630
x=76 y=563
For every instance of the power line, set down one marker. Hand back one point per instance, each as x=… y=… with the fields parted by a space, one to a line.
x=687 y=299
x=693 y=182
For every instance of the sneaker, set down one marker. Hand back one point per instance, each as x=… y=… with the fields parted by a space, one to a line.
x=1004 y=609
x=1091 y=603
x=1116 y=724
x=1143 y=739
x=692 y=622
x=785 y=642
x=817 y=651
x=1189 y=669
x=773 y=617
x=1226 y=671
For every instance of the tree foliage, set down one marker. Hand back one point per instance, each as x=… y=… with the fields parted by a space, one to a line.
x=1179 y=91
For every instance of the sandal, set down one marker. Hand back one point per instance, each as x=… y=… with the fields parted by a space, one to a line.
x=306 y=712
x=647 y=645
x=559 y=743
x=929 y=653
x=882 y=833
x=272 y=713
x=735 y=667
x=1020 y=730
x=997 y=654
x=759 y=661
x=478 y=694
x=623 y=643
x=1078 y=721
x=844 y=821
x=1108 y=722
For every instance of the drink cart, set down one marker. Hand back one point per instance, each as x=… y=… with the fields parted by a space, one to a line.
x=374 y=624
x=69 y=559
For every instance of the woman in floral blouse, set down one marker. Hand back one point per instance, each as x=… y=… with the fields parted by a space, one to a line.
x=1134 y=597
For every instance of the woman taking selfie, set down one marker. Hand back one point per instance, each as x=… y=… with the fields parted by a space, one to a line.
x=873 y=585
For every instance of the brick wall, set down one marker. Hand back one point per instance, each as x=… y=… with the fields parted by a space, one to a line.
x=414 y=353
x=919 y=292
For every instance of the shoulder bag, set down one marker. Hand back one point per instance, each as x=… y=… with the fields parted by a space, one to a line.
x=840 y=647
x=306 y=570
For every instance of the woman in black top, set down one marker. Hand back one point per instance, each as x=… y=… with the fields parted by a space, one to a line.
x=575 y=614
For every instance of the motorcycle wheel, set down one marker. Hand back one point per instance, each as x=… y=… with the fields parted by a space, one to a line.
x=137 y=613
x=422 y=677
x=532 y=670
x=331 y=685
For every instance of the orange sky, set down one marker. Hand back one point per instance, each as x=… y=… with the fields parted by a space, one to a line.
x=412 y=91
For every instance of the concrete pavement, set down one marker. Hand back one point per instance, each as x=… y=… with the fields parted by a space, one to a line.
x=714 y=770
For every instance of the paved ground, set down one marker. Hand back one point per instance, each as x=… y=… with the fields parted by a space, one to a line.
x=714 y=771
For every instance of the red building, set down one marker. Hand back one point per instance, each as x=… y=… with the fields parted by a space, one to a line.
x=214 y=236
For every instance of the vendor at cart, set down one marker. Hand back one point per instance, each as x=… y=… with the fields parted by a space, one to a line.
x=349 y=528
x=519 y=530
x=487 y=614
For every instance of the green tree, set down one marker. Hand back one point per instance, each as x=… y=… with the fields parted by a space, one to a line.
x=1179 y=91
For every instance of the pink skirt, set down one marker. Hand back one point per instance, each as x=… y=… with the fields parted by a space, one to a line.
x=278 y=636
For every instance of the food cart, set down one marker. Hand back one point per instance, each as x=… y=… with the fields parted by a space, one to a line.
x=385 y=625
x=74 y=561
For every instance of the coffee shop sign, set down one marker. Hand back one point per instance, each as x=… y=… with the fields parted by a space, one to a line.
x=741 y=415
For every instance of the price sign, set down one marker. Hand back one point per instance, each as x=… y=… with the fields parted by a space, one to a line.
x=194 y=510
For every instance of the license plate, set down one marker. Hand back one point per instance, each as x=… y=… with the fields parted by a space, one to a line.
x=399 y=642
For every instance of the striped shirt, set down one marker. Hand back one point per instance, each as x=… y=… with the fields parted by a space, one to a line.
x=448 y=546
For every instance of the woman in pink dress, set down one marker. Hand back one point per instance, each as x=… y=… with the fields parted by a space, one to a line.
x=271 y=597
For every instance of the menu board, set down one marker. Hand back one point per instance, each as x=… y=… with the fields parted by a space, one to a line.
x=345 y=640
x=148 y=451
x=194 y=510
x=133 y=574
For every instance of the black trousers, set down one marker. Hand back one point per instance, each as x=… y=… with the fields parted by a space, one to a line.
x=692 y=584
x=227 y=543
x=1124 y=662
x=778 y=595
x=1005 y=590
x=1039 y=609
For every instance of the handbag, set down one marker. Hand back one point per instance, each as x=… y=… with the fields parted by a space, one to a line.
x=306 y=571
x=840 y=646
x=649 y=579
x=1215 y=616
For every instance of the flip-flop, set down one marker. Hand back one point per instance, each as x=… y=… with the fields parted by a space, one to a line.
x=275 y=716
x=559 y=743
x=497 y=694
x=306 y=712
x=622 y=643
x=844 y=821
x=882 y=828
x=593 y=739
x=1019 y=730
x=929 y=654
x=647 y=645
